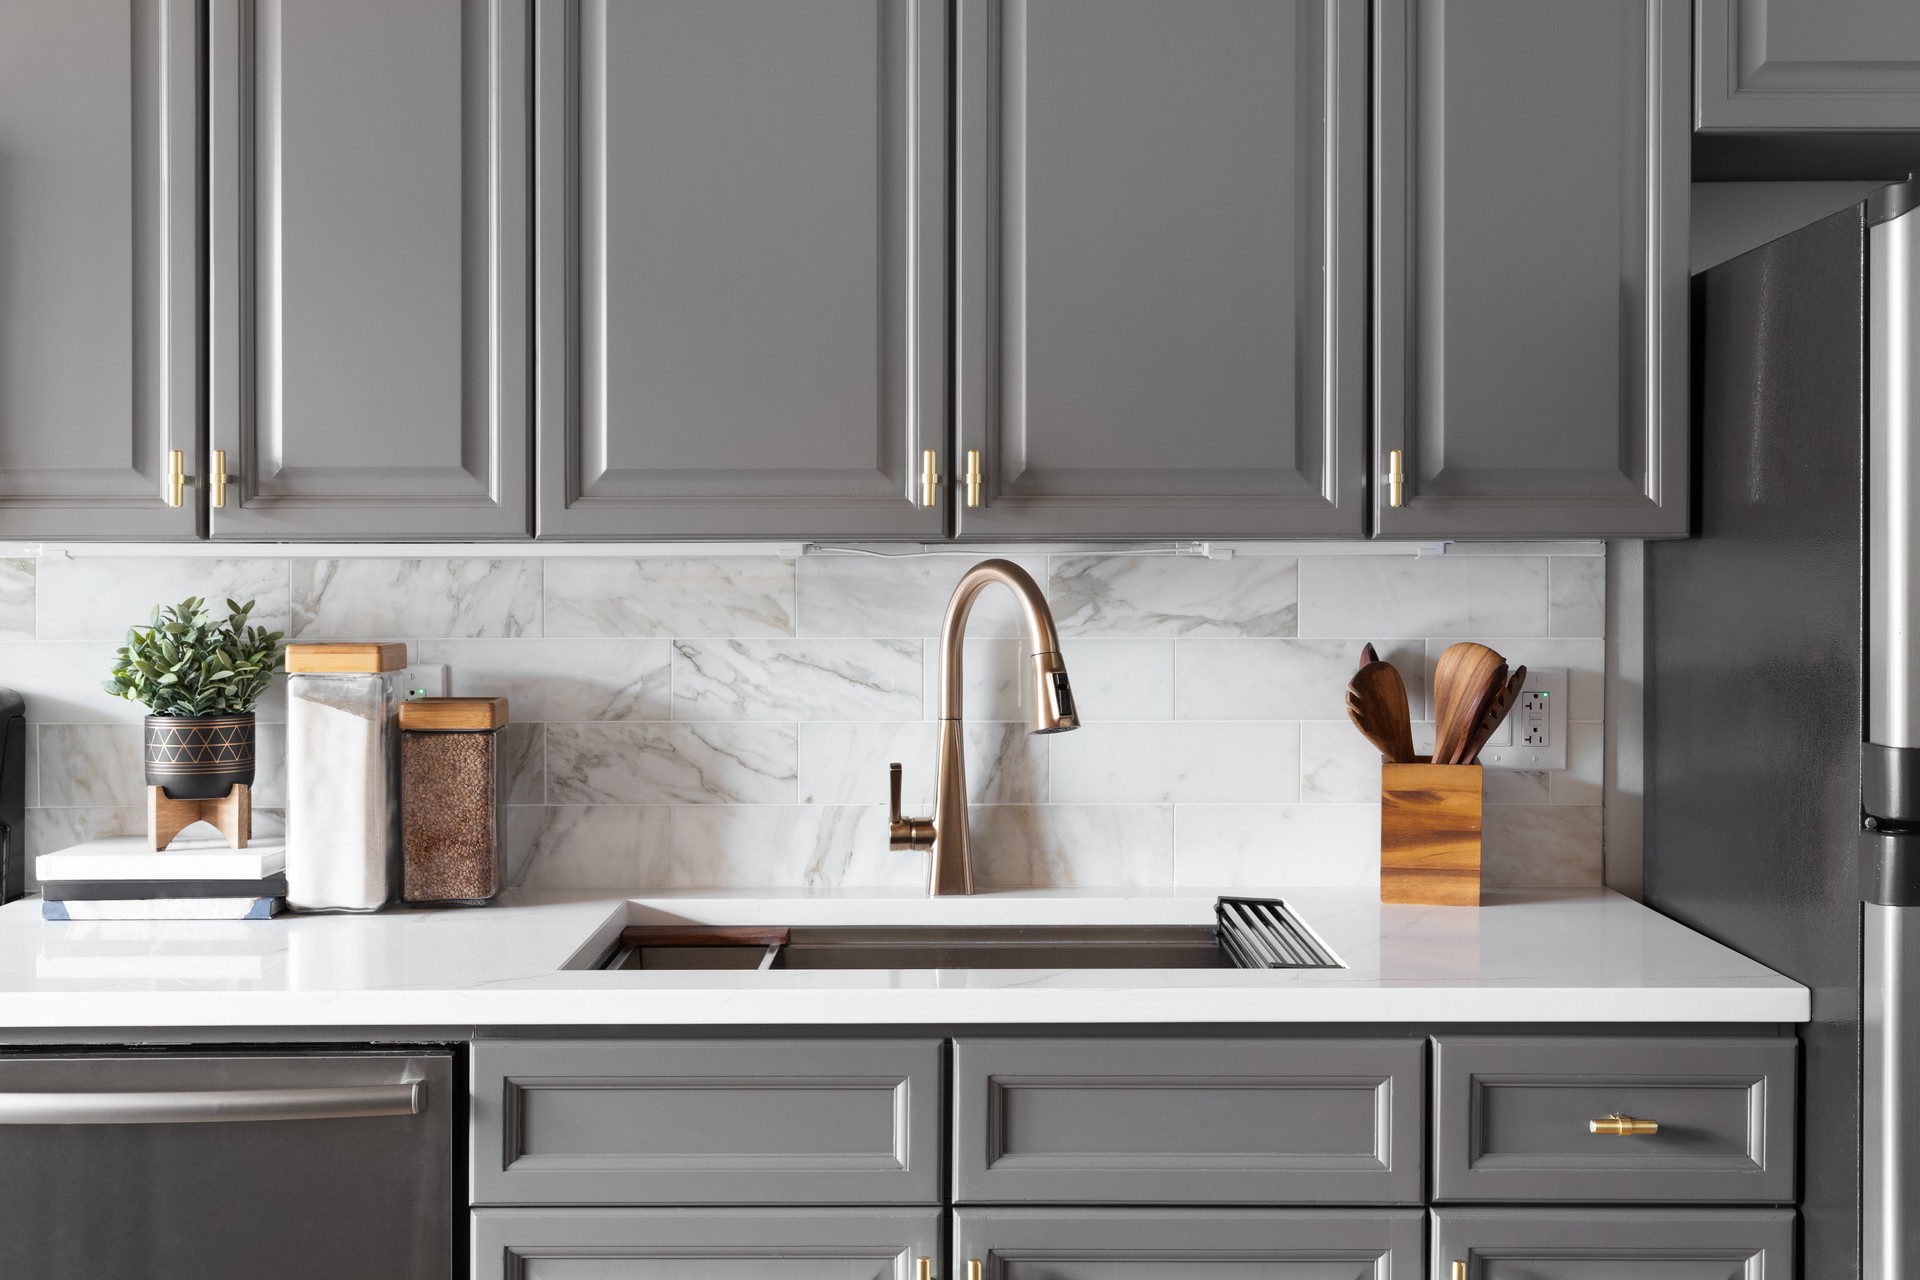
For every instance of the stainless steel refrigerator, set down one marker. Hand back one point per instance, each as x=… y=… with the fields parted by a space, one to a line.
x=1783 y=692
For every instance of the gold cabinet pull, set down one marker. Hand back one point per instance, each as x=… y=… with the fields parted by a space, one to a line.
x=973 y=477
x=1396 y=480
x=975 y=1269
x=929 y=478
x=1619 y=1126
x=923 y=1269
x=176 y=478
x=218 y=488
x=1458 y=1272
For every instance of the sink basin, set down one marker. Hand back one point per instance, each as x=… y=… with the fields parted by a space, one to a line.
x=959 y=947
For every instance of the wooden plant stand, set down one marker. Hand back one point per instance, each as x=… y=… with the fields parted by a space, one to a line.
x=231 y=815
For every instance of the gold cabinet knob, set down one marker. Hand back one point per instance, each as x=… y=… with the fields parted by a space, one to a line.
x=1458 y=1271
x=929 y=478
x=176 y=488
x=975 y=482
x=1396 y=480
x=975 y=1269
x=1619 y=1126
x=217 y=489
x=923 y=1269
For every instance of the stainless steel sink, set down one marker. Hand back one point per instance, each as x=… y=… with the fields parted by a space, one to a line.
x=965 y=947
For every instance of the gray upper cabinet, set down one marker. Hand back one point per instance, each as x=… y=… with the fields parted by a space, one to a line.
x=1193 y=1244
x=1830 y=65
x=1530 y=274
x=100 y=181
x=741 y=267
x=368 y=239
x=1161 y=268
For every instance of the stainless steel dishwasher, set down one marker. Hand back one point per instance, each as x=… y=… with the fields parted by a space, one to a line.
x=206 y=1165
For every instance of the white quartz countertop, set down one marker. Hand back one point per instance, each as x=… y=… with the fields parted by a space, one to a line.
x=1539 y=956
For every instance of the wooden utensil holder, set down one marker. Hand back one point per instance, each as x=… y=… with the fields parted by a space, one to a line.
x=1430 y=834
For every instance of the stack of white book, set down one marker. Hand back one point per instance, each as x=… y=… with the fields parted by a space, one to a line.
x=194 y=878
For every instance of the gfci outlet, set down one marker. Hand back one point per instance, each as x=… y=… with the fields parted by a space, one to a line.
x=424 y=680
x=1535 y=734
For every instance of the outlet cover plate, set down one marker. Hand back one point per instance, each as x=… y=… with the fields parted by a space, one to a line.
x=1540 y=709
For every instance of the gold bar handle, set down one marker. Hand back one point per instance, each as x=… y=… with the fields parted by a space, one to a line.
x=1619 y=1126
x=1458 y=1271
x=218 y=488
x=974 y=481
x=929 y=478
x=975 y=1269
x=1396 y=480
x=923 y=1269
x=176 y=478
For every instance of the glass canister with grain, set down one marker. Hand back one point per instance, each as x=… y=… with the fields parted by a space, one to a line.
x=453 y=792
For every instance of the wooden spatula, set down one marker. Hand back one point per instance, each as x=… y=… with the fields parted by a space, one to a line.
x=1377 y=705
x=1496 y=712
x=1460 y=680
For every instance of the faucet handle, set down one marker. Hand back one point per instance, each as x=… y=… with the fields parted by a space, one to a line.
x=904 y=833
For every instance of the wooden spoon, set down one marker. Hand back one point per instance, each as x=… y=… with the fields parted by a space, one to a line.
x=1496 y=712
x=1368 y=654
x=1377 y=705
x=1460 y=679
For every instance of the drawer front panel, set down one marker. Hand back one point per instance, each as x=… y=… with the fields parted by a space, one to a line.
x=1615 y=1244
x=706 y=1122
x=1184 y=1121
x=1513 y=1119
x=707 y=1244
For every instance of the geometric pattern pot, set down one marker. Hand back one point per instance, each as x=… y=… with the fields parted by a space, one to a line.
x=199 y=757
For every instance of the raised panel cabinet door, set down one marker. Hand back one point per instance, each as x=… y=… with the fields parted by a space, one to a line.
x=704 y=1244
x=100 y=197
x=1192 y=1244
x=1839 y=65
x=1530 y=268
x=368 y=231
x=1614 y=1244
x=742 y=268
x=1161 y=268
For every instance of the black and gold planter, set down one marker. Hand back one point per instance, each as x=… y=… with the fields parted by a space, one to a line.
x=199 y=757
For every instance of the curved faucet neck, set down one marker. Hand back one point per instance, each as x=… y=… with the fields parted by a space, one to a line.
x=1042 y=635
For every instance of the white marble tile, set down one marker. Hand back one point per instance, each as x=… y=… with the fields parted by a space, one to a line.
x=1577 y=596
x=94 y=598
x=1542 y=844
x=671 y=763
x=741 y=596
x=1429 y=595
x=1515 y=786
x=1174 y=595
x=1337 y=765
x=796 y=679
x=395 y=599
x=50 y=830
x=587 y=846
x=1062 y=845
x=1585 y=661
x=269 y=766
x=847 y=763
x=1120 y=679
x=524 y=749
x=1223 y=762
x=61 y=682
x=549 y=680
x=810 y=847
x=1281 y=679
x=1584 y=780
x=17 y=600
x=900 y=596
x=1245 y=845
x=996 y=680
x=92 y=765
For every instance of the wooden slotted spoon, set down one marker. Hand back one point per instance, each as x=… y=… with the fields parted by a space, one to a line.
x=1496 y=712
x=1377 y=705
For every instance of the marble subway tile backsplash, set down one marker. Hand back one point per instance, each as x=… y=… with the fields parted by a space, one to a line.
x=727 y=721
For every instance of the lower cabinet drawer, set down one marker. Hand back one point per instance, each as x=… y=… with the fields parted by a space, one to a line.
x=1614 y=1244
x=1192 y=1244
x=1517 y=1118
x=1141 y=1121
x=690 y=1122
x=711 y=1244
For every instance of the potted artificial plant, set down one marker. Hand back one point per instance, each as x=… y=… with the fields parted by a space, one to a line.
x=200 y=679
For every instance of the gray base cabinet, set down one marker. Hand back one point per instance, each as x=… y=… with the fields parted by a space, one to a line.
x=1826 y=65
x=1530 y=268
x=1614 y=1244
x=1245 y=1244
x=711 y=1244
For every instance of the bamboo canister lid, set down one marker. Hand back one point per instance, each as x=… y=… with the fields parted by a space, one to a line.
x=345 y=659
x=447 y=715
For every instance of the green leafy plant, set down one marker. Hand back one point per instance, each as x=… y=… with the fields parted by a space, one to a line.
x=187 y=663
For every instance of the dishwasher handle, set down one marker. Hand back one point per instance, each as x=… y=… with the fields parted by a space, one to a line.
x=214 y=1106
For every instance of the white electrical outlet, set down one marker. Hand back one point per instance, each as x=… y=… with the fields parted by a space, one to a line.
x=1535 y=734
x=424 y=680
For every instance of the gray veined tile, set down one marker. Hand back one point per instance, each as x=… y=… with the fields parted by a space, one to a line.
x=1337 y=765
x=844 y=763
x=810 y=846
x=739 y=596
x=551 y=680
x=587 y=846
x=1276 y=845
x=1184 y=762
x=671 y=763
x=796 y=679
x=1123 y=595
x=523 y=747
x=379 y=599
x=1364 y=596
x=17 y=600
x=1067 y=845
x=92 y=765
x=1121 y=679
x=899 y=596
x=93 y=598
x=996 y=679
x=1577 y=596
x=1282 y=679
x=1541 y=845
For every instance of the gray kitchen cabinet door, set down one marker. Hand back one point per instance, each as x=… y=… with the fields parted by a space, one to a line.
x=710 y=1244
x=1830 y=65
x=1614 y=1244
x=1193 y=1244
x=1530 y=270
x=1161 y=268
x=741 y=268
x=368 y=283
x=100 y=197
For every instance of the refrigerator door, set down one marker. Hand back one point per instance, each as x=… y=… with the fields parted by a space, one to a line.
x=1890 y=1095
